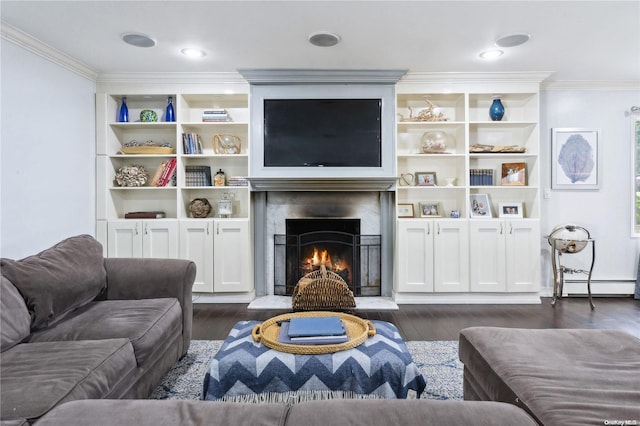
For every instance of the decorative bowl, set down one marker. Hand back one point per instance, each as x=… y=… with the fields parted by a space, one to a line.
x=148 y=116
x=434 y=142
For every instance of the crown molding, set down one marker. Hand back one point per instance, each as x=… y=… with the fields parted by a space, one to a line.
x=475 y=77
x=592 y=85
x=172 y=77
x=321 y=76
x=33 y=45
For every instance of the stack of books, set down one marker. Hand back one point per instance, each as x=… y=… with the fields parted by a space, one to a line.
x=197 y=175
x=191 y=143
x=145 y=215
x=481 y=177
x=237 y=181
x=313 y=331
x=215 y=115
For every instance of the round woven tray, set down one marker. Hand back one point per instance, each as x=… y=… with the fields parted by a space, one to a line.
x=357 y=329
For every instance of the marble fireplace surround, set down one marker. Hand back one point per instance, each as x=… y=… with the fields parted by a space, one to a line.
x=272 y=208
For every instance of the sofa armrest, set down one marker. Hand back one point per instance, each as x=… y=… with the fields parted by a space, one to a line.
x=141 y=278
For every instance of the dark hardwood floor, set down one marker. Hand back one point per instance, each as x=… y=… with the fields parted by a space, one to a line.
x=444 y=322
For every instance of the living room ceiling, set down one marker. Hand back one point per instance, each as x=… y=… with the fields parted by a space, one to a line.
x=576 y=40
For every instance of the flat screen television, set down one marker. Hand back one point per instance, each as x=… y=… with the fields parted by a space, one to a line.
x=322 y=132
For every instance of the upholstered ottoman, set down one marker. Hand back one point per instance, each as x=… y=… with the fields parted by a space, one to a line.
x=245 y=370
x=560 y=376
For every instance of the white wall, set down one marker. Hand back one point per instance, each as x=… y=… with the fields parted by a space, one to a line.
x=607 y=212
x=47 y=153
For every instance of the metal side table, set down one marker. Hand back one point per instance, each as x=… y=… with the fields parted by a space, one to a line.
x=569 y=239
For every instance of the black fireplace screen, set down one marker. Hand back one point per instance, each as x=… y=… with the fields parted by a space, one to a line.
x=335 y=243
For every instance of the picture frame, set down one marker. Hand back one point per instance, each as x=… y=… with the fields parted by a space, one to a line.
x=575 y=158
x=425 y=178
x=514 y=174
x=479 y=206
x=430 y=209
x=511 y=209
x=405 y=210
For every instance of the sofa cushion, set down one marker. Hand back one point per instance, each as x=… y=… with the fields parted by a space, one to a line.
x=38 y=376
x=165 y=413
x=14 y=317
x=147 y=323
x=406 y=412
x=59 y=279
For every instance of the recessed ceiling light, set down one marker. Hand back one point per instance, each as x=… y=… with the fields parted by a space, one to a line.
x=138 y=40
x=491 y=54
x=193 y=52
x=511 y=40
x=324 y=39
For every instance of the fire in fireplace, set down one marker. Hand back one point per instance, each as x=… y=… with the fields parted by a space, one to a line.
x=335 y=243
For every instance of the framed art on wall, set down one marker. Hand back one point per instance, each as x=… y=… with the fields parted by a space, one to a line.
x=575 y=158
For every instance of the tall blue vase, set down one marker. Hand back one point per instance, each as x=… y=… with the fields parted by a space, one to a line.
x=170 y=114
x=123 y=115
x=496 y=111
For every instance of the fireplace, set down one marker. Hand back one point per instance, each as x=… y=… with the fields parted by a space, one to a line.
x=335 y=243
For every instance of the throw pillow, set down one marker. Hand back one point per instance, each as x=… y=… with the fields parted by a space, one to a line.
x=14 y=317
x=58 y=280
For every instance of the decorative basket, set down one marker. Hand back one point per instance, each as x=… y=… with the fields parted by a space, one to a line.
x=322 y=290
x=357 y=329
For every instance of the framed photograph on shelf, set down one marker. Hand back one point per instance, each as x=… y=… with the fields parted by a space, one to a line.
x=426 y=178
x=514 y=174
x=480 y=207
x=511 y=210
x=575 y=158
x=405 y=210
x=430 y=209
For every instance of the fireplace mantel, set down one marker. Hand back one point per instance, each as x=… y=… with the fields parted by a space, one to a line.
x=322 y=184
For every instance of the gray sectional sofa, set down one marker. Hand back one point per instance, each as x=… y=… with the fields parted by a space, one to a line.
x=559 y=376
x=76 y=326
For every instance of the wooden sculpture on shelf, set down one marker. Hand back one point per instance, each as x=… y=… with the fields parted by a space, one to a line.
x=431 y=113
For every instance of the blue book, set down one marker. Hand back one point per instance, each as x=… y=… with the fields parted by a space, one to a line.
x=315 y=326
x=283 y=337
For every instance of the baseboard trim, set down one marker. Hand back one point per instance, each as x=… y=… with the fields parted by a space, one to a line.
x=467 y=298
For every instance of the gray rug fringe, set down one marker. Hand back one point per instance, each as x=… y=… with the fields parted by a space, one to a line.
x=295 y=397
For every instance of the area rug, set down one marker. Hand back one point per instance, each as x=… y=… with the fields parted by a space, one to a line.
x=437 y=360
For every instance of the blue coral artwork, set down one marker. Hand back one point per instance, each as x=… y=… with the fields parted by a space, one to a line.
x=575 y=159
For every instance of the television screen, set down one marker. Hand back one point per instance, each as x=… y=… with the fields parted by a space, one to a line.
x=322 y=133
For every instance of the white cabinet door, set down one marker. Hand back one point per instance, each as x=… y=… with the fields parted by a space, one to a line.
x=142 y=238
x=196 y=244
x=523 y=255
x=160 y=239
x=233 y=262
x=414 y=248
x=487 y=256
x=451 y=256
x=505 y=255
x=124 y=238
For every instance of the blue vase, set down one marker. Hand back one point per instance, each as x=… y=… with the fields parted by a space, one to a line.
x=496 y=111
x=170 y=114
x=123 y=115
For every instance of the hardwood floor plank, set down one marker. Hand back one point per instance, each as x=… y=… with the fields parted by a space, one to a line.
x=444 y=322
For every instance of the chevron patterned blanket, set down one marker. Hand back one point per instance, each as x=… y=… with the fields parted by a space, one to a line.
x=380 y=367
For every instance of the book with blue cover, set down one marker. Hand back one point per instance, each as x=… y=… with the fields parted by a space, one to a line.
x=315 y=326
x=283 y=337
